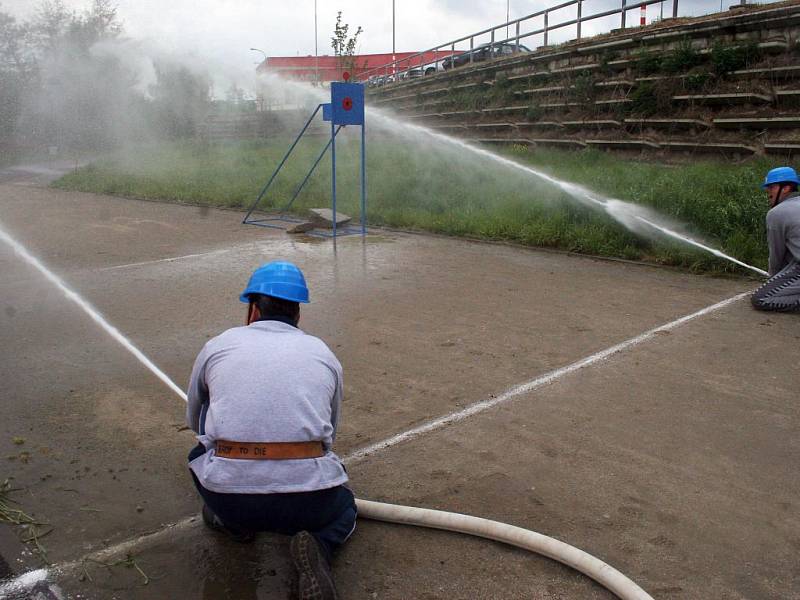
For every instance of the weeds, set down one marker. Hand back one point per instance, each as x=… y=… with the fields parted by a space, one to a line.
x=682 y=58
x=643 y=99
x=696 y=81
x=128 y=562
x=726 y=58
x=450 y=191
x=534 y=112
x=648 y=63
x=583 y=90
x=33 y=530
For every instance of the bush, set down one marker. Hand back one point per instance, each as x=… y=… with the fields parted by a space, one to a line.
x=583 y=90
x=682 y=58
x=726 y=59
x=534 y=112
x=501 y=81
x=648 y=63
x=643 y=99
x=696 y=81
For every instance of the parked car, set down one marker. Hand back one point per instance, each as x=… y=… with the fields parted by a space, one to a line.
x=484 y=52
x=411 y=74
x=433 y=68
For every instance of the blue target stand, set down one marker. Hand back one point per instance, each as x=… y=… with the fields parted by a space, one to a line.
x=345 y=108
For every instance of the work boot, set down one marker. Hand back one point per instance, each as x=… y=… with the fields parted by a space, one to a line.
x=314 y=579
x=212 y=521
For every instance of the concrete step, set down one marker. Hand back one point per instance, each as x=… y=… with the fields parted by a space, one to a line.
x=734 y=98
x=614 y=83
x=787 y=94
x=423 y=116
x=564 y=143
x=543 y=90
x=709 y=147
x=505 y=109
x=596 y=123
x=784 y=148
x=533 y=75
x=668 y=123
x=523 y=141
x=757 y=122
x=558 y=105
x=447 y=127
x=459 y=113
x=540 y=124
x=491 y=125
x=623 y=144
x=786 y=72
x=612 y=102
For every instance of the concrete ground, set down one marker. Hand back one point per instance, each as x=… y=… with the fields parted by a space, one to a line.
x=674 y=460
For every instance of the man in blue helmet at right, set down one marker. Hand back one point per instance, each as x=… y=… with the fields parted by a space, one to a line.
x=782 y=291
x=264 y=400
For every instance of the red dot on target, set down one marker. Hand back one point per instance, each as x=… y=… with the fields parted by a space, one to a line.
x=347 y=103
x=346 y=75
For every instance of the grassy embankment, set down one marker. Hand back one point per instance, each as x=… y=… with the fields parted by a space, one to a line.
x=439 y=191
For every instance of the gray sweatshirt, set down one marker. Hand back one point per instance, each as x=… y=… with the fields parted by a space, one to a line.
x=267 y=382
x=783 y=233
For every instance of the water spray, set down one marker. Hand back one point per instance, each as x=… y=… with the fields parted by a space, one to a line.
x=90 y=310
x=621 y=211
x=630 y=215
x=604 y=574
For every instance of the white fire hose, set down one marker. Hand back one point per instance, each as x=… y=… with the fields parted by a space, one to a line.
x=604 y=574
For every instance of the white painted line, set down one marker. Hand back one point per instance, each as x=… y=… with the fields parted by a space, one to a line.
x=161 y=260
x=529 y=386
x=139 y=543
x=12 y=588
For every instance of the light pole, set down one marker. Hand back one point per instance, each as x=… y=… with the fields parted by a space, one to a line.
x=262 y=52
x=394 y=58
x=316 y=52
x=508 y=13
x=261 y=101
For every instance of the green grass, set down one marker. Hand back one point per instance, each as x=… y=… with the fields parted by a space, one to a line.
x=418 y=186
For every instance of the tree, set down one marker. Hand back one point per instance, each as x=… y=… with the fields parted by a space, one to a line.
x=181 y=100
x=49 y=24
x=344 y=47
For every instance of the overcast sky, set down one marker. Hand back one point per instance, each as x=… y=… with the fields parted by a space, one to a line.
x=222 y=31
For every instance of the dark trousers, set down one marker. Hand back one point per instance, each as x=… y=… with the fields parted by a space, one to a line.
x=781 y=293
x=329 y=515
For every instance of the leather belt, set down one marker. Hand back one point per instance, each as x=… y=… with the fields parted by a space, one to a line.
x=269 y=450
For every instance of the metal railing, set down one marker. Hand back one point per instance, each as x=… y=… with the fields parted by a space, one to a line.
x=416 y=65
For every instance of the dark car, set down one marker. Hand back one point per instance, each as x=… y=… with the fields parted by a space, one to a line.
x=484 y=52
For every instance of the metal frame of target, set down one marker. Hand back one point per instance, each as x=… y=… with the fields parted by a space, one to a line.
x=345 y=108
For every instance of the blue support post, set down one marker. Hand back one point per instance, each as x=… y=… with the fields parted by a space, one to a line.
x=286 y=156
x=363 y=180
x=311 y=172
x=333 y=176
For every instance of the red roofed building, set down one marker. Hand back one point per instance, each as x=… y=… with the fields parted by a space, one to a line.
x=328 y=68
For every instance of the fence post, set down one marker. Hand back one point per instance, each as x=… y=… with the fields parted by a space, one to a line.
x=580 y=7
x=517 y=38
x=545 y=27
x=623 y=13
x=471 y=48
x=674 y=9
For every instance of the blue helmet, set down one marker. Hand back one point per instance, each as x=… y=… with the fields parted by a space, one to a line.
x=780 y=175
x=279 y=279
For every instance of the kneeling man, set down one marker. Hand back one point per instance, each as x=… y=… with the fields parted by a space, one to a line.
x=782 y=291
x=264 y=400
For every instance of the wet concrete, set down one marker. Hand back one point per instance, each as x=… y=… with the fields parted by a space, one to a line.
x=634 y=459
